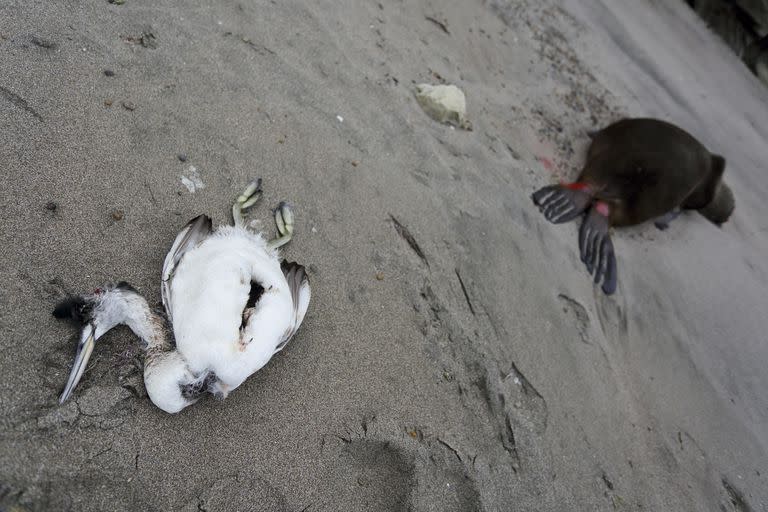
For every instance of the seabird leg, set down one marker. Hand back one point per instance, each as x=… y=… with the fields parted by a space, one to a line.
x=596 y=247
x=563 y=203
x=284 y=223
x=248 y=198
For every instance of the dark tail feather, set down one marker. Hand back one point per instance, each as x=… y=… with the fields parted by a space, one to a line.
x=561 y=204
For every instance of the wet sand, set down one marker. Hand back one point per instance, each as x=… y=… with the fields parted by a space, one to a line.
x=456 y=355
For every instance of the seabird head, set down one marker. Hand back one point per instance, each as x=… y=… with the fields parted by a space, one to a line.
x=95 y=313
x=169 y=382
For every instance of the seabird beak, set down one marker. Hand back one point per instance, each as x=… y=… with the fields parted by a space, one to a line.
x=84 y=350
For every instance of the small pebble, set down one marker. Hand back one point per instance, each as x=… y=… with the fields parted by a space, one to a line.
x=107 y=103
x=355 y=163
x=127 y=105
x=182 y=157
x=379 y=276
x=117 y=215
x=51 y=206
x=517 y=405
x=109 y=72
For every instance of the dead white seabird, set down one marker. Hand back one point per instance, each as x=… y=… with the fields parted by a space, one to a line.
x=230 y=304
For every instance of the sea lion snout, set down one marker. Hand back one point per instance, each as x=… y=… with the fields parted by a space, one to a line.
x=721 y=207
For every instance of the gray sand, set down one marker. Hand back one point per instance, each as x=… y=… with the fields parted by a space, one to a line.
x=489 y=374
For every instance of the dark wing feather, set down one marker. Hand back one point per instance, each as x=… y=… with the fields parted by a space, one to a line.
x=188 y=238
x=297 y=278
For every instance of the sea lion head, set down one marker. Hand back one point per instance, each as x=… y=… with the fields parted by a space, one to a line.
x=721 y=207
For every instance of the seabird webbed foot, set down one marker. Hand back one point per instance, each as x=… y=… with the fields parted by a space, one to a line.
x=244 y=201
x=284 y=223
x=562 y=203
x=596 y=247
x=662 y=222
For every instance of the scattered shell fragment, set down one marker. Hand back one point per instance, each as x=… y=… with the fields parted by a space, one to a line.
x=117 y=215
x=379 y=276
x=128 y=105
x=191 y=179
x=444 y=103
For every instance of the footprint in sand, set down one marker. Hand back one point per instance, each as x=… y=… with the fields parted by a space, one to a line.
x=383 y=468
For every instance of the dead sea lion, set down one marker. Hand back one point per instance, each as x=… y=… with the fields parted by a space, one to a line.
x=636 y=170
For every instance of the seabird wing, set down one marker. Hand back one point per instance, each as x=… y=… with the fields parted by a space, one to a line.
x=298 y=283
x=188 y=238
x=269 y=316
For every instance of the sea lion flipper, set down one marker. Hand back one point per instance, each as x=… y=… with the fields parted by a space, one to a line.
x=562 y=203
x=662 y=222
x=610 y=278
x=596 y=248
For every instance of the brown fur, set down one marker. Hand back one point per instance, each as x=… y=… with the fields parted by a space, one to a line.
x=644 y=168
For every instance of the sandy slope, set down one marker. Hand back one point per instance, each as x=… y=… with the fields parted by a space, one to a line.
x=487 y=375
